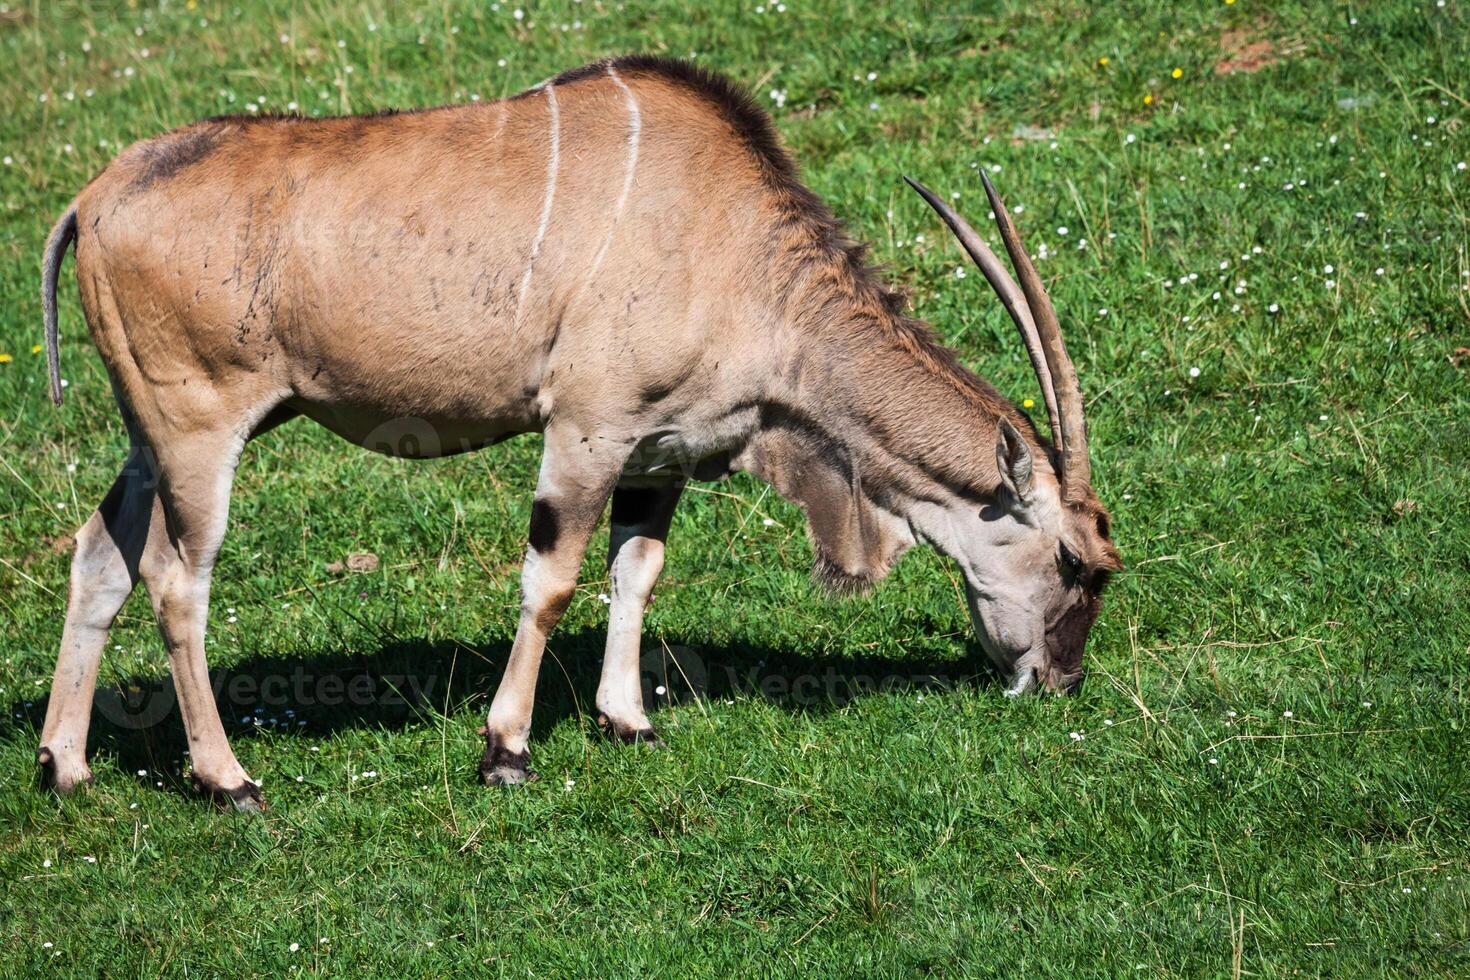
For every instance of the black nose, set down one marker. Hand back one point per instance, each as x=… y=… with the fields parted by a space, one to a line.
x=1076 y=686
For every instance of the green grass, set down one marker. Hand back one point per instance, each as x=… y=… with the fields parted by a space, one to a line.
x=1294 y=519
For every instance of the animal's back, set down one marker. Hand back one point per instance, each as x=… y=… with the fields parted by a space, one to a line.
x=349 y=260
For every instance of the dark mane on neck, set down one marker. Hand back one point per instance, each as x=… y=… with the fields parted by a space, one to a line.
x=829 y=283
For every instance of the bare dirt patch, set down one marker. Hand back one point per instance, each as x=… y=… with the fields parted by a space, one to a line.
x=1245 y=52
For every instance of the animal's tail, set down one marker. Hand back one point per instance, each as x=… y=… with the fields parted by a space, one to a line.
x=61 y=238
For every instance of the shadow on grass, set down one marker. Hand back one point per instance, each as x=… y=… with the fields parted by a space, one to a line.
x=408 y=683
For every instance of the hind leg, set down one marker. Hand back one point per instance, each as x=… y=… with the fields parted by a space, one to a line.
x=196 y=471
x=104 y=569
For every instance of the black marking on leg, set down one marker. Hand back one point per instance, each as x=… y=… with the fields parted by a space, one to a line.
x=501 y=767
x=46 y=774
x=635 y=506
x=545 y=526
x=45 y=768
x=627 y=735
x=246 y=796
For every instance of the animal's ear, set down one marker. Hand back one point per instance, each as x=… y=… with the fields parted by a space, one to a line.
x=1013 y=460
x=852 y=550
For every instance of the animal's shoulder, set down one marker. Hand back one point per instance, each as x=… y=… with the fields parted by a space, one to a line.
x=726 y=98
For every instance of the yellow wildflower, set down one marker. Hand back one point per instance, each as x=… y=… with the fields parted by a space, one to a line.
x=1177 y=73
x=1027 y=403
x=1148 y=100
x=35 y=348
x=5 y=358
x=1103 y=61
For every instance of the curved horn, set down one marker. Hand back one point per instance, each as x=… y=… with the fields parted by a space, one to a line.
x=1076 y=469
x=1010 y=295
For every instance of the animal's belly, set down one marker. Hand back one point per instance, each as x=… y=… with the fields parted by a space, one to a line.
x=408 y=378
x=413 y=436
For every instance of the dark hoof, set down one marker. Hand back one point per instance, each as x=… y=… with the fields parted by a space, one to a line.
x=59 y=779
x=501 y=767
x=627 y=735
x=246 y=797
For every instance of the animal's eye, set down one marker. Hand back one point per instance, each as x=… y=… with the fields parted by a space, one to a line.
x=1070 y=561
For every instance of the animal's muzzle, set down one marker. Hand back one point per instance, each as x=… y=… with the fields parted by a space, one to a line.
x=1024 y=681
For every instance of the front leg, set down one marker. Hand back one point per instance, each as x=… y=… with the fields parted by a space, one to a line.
x=577 y=475
x=635 y=556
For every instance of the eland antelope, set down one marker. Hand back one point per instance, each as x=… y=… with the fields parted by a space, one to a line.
x=621 y=258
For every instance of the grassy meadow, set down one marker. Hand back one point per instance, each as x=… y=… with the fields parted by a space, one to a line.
x=1254 y=221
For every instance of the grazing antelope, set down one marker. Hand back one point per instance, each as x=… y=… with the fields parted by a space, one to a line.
x=621 y=258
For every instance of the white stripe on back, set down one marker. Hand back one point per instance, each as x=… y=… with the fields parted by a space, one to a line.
x=551 y=167
x=635 y=128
